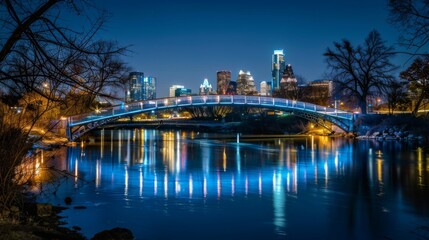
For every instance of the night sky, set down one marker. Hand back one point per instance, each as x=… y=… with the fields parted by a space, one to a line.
x=183 y=42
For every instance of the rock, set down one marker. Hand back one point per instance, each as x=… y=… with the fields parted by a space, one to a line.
x=68 y=200
x=79 y=207
x=114 y=234
x=44 y=210
x=375 y=134
x=76 y=228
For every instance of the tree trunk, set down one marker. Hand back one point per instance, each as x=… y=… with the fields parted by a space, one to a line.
x=363 y=106
x=417 y=106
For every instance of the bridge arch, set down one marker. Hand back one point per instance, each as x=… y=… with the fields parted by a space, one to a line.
x=80 y=124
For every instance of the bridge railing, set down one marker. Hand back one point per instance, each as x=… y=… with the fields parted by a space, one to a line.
x=158 y=104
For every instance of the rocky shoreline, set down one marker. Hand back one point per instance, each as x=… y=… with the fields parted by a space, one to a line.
x=39 y=221
x=405 y=128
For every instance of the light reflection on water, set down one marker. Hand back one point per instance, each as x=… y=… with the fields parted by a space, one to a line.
x=192 y=183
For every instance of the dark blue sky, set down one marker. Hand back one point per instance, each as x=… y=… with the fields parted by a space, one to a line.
x=183 y=42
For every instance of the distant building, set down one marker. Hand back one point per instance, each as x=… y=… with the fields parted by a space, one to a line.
x=277 y=68
x=134 y=88
x=317 y=92
x=245 y=84
x=149 y=88
x=180 y=92
x=205 y=87
x=289 y=84
x=173 y=90
x=223 y=78
x=327 y=85
x=265 y=88
x=140 y=88
x=232 y=88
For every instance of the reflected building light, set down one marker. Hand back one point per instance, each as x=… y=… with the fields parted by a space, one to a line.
x=205 y=187
x=97 y=173
x=295 y=180
x=336 y=161
x=380 y=170
x=102 y=143
x=178 y=152
x=312 y=154
x=76 y=172
x=206 y=160
x=126 y=182
x=177 y=185
x=232 y=186
x=305 y=177
x=155 y=185
x=278 y=181
x=288 y=158
x=219 y=187
x=279 y=210
x=224 y=159
x=165 y=184
x=191 y=186
x=274 y=180
x=312 y=143
x=238 y=157
x=42 y=157
x=246 y=186
x=119 y=146
x=260 y=184
x=288 y=182
x=111 y=143
x=128 y=157
x=325 y=166
x=281 y=154
x=370 y=165
x=420 y=166
x=141 y=183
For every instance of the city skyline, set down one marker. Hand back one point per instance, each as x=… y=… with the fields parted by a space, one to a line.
x=187 y=41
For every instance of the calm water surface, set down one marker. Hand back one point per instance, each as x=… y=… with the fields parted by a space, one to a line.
x=188 y=185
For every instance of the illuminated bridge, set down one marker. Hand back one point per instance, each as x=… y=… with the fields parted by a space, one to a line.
x=320 y=115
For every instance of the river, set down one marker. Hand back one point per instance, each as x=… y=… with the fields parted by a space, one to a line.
x=190 y=185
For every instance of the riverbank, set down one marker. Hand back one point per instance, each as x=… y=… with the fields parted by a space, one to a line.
x=37 y=224
x=392 y=127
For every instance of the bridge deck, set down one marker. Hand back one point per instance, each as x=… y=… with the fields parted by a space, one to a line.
x=207 y=100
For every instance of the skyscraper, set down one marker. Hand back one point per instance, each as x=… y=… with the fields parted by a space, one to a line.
x=223 y=78
x=265 y=88
x=205 y=87
x=149 y=88
x=288 y=84
x=277 y=68
x=245 y=83
x=134 y=87
x=173 y=89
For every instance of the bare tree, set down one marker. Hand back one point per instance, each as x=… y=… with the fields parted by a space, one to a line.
x=38 y=47
x=43 y=55
x=396 y=94
x=412 y=18
x=361 y=70
x=418 y=76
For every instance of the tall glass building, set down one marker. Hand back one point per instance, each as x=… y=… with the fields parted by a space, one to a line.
x=149 y=88
x=223 y=78
x=277 y=68
x=140 y=88
x=245 y=83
